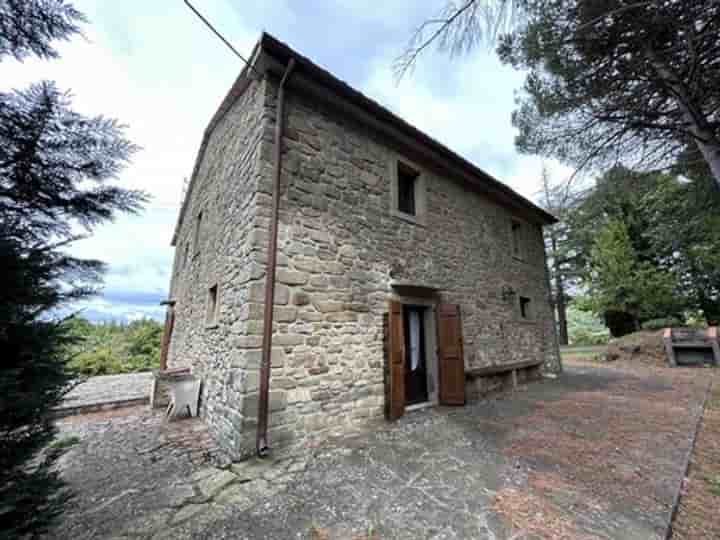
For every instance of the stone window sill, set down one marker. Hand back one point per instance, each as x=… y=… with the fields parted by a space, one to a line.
x=211 y=326
x=415 y=220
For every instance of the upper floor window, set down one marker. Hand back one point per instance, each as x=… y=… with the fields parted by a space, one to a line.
x=408 y=198
x=524 y=307
x=517 y=239
x=186 y=254
x=211 y=315
x=198 y=231
x=406 y=186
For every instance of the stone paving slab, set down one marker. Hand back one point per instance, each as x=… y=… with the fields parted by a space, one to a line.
x=106 y=391
x=593 y=455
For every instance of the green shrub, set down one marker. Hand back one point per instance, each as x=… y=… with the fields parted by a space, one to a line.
x=659 y=324
x=584 y=328
x=112 y=348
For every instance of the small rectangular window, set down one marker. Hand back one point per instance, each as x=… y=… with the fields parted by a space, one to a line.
x=198 y=226
x=406 y=184
x=516 y=239
x=212 y=306
x=524 y=307
x=186 y=254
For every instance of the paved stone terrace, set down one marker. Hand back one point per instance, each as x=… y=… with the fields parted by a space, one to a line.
x=596 y=454
x=106 y=391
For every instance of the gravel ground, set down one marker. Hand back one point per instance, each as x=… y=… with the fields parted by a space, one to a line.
x=595 y=454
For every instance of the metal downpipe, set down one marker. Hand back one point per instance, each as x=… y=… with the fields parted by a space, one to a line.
x=261 y=443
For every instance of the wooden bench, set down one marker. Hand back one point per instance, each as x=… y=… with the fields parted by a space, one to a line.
x=690 y=346
x=501 y=369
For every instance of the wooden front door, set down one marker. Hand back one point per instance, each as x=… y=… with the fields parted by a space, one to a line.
x=416 y=387
x=450 y=353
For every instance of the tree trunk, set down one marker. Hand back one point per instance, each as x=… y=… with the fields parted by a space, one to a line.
x=560 y=297
x=711 y=310
x=705 y=138
x=711 y=153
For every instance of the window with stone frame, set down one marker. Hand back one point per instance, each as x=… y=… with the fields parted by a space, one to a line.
x=407 y=189
x=198 y=233
x=213 y=306
x=525 y=308
x=516 y=230
x=186 y=254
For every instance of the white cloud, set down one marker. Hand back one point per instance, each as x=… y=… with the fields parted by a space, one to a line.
x=164 y=83
x=465 y=103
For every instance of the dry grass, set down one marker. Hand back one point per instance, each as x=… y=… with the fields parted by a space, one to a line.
x=611 y=448
x=698 y=516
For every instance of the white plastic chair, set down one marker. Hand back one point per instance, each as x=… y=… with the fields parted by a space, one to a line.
x=184 y=396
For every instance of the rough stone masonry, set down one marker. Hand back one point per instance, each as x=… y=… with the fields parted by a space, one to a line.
x=341 y=247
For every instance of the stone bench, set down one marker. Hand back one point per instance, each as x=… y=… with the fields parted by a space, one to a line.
x=690 y=346
x=488 y=378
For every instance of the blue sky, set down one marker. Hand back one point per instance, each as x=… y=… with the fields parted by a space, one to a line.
x=156 y=68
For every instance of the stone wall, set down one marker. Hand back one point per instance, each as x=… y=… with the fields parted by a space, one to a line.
x=340 y=249
x=225 y=191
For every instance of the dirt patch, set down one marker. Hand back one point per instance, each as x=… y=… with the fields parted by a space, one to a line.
x=697 y=515
x=641 y=347
x=530 y=514
x=597 y=437
x=612 y=449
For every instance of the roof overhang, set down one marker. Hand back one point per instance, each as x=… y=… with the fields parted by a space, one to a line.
x=320 y=83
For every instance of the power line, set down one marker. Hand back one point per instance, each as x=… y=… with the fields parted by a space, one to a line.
x=218 y=34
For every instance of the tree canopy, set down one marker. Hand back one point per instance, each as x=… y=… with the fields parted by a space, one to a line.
x=30 y=27
x=615 y=82
x=645 y=246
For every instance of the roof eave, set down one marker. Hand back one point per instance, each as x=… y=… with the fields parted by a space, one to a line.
x=282 y=53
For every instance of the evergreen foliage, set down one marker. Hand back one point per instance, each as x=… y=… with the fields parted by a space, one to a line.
x=584 y=328
x=56 y=171
x=646 y=246
x=29 y=27
x=618 y=81
x=113 y=348
x=614 y=81
x=620 y=284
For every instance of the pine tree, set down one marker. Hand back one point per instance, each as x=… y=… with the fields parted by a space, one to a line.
x=614 y=81
x=560 y=200
x=56 y=177
x=29 y=27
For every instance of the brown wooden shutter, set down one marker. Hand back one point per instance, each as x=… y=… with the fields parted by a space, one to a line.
x=452 y=365
x=396 y=359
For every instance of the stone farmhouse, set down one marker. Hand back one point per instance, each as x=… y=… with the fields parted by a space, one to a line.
x=398 y=275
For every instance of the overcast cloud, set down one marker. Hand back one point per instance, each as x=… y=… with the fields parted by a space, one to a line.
x=156 y=68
